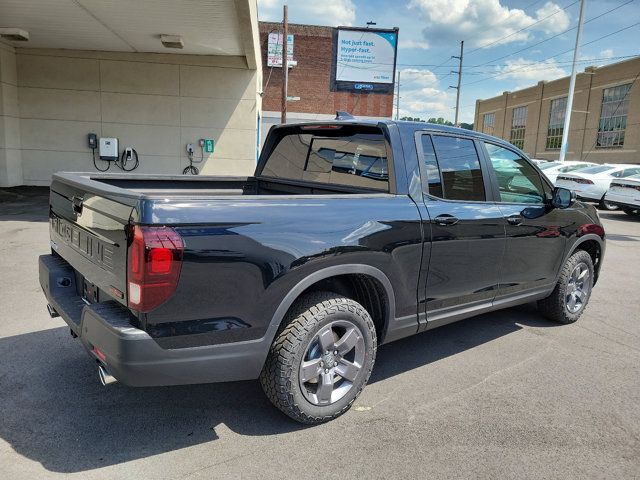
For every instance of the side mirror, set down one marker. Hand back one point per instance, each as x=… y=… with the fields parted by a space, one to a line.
x=563 y=197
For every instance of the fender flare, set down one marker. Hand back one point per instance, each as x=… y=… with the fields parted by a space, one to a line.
x=323 y=274
x=580 y=240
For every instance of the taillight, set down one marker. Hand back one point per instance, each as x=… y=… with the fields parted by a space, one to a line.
x=583 y=181
x=576 y=180
x=625 y=185
x=154 y=263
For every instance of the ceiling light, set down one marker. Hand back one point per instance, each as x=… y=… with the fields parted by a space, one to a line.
x=14 y=34
x=172 y=41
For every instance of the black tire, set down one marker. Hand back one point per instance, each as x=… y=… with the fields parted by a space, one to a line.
x=556 y=306
x=310 y=316
x=634 y=212
x=604 y=205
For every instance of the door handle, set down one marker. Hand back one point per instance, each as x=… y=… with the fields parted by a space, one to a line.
x=446 y=219
x=515 y=220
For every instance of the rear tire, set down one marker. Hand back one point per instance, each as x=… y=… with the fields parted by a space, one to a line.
x=604 y=205
x=572 y=292
x=321 y=358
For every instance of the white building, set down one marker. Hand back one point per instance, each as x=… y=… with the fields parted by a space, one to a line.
x=92 y=66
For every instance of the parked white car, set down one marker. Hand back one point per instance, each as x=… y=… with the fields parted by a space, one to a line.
x=591 y=183
x=539 y=162
x=556 y=168
x=625 y=193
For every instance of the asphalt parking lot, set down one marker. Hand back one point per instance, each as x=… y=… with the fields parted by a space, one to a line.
x=506 y=394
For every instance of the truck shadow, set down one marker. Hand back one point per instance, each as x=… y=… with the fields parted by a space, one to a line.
x=25 y=204
x=56 y=413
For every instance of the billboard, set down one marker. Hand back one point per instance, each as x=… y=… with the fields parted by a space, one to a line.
x=365 y=57
x=274 y=49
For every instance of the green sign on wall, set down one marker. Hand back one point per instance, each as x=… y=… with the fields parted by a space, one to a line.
x=208 y=145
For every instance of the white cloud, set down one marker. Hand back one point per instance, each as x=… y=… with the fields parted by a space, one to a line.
x=527 y=72
x=420 y=95
x=414 y=78
x=413 y=44
x=599 y=59
x=558 y=20
x=480 y=22
x=326 y=12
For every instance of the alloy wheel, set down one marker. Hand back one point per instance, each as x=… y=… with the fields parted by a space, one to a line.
x=578 y=288
x=332 y=363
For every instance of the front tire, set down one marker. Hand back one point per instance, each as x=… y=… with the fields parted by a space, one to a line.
x=572 y=292
x=321 y=358
x=634 y=212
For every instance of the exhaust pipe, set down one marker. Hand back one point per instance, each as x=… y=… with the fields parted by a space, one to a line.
x=52 y=311
x=105 y=377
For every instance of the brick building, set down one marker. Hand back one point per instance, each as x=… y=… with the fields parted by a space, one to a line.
x=311 y=80
x=605 y=122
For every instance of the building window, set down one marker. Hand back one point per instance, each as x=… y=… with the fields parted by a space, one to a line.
x=518 y=123
x=488 y=122
x=613 y=117
x=556 y=123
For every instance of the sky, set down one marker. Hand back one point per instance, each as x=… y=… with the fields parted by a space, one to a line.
x=509 y=44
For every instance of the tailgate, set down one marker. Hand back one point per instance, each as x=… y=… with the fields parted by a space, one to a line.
x=88 y=229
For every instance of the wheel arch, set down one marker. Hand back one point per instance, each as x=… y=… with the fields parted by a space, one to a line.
x=338 y=273
x=594 y=245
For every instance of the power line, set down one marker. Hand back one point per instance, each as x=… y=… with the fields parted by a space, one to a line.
x=522 y=29
x=552 y=37
x=561 y=53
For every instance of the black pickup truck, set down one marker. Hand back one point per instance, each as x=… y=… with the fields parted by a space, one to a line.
x=349 y=235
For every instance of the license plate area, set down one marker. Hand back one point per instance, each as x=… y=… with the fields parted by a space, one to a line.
x=90 y=293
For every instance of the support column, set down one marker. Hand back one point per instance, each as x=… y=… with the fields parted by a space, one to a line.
x=10 y=153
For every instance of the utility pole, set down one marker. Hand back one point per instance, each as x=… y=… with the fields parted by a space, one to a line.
x=285 y=63
x=459 y=73
x=398 y=98
x=572 y=87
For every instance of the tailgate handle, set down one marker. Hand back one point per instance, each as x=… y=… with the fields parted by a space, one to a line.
x=77 y=205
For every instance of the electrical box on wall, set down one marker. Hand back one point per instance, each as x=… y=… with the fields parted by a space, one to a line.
x=208 y=145
x=108 y=149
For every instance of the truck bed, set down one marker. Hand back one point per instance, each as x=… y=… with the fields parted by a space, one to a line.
x=142 y=187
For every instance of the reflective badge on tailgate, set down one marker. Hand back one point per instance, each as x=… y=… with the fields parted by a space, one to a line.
x=90 y=246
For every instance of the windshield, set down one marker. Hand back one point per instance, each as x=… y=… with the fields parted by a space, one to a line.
x=571 y=168
x=548 y=165
x=597 y=169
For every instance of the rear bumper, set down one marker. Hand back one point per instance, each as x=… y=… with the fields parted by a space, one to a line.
x=587 y=193
x=627 y=201
x=623 y=204
x=131 y=355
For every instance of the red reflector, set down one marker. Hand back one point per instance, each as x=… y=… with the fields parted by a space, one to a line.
x=115 y=292
x=99 y=354
x=154 y=264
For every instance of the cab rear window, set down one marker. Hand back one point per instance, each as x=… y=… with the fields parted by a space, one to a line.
x=333 y=156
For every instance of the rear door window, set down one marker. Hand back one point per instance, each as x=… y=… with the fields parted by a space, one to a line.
x=630 y=171
x=458 y=167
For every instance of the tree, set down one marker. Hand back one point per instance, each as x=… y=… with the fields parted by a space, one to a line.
x=440 y=121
